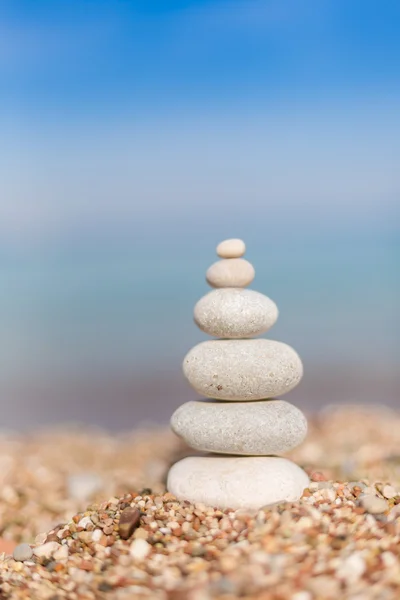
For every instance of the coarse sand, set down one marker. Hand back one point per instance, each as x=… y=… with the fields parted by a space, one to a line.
x=63 y=492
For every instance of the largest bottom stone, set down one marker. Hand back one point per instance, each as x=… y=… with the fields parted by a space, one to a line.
x=237 y=482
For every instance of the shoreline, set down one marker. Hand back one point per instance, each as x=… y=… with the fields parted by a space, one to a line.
x=125 y=402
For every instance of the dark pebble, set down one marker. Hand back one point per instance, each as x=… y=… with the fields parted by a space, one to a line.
x=128 y=522
x=105 y=587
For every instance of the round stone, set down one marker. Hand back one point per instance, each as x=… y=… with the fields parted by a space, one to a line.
x=235 y=313
x=242 y=369
x=374 y=505
x=233 y=248
x=245 y=428
x=237 y=482
x=22 y=552
x=233 y=272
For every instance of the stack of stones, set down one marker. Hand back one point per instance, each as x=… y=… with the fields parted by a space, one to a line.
x=241 y=426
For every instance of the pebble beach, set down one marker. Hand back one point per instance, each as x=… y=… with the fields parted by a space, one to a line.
x=85 y=515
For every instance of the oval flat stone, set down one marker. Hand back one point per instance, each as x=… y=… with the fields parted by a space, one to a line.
x=235 y=313
x=237 y=482
x=242 y=369
x=245 y=428
x=233 y=272
x=233 y=248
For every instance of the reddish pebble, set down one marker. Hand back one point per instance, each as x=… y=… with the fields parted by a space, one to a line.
x=86 y=565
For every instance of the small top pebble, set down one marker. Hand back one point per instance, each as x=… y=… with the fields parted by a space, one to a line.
x=233 y=248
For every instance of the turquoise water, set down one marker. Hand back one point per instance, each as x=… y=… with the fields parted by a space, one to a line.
x=126 y=305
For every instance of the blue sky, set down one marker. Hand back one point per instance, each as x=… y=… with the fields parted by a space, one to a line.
x=169 y=107
x=93 y=57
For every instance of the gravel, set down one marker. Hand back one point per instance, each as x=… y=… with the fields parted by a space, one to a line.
x=329 y=545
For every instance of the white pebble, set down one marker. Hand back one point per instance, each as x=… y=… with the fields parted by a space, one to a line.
x=22 y=552
x=62 y=553
x=389 y=559
x=139 y=549
x=328 y=494
x=374 y=505
x=231 y=273
x=82 y=486
x=233 y=248
x=389 y=491
x=97 y=535
x=46 y=550
x=165 y=530
x=248 y=369
x=352 y=568
x=84 y=522
x=235 y=313
x=237 y=482
x=242 y=428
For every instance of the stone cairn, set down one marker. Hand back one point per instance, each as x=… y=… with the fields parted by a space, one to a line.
x=239 y=376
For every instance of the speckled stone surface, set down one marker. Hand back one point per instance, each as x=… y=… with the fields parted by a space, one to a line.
x=244 y=428
x=235 y=313
x=242 y=369
x=237 y=482
x=233 y=248
x=233 y=272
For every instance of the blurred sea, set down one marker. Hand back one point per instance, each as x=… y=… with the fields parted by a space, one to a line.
x=107 y=322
